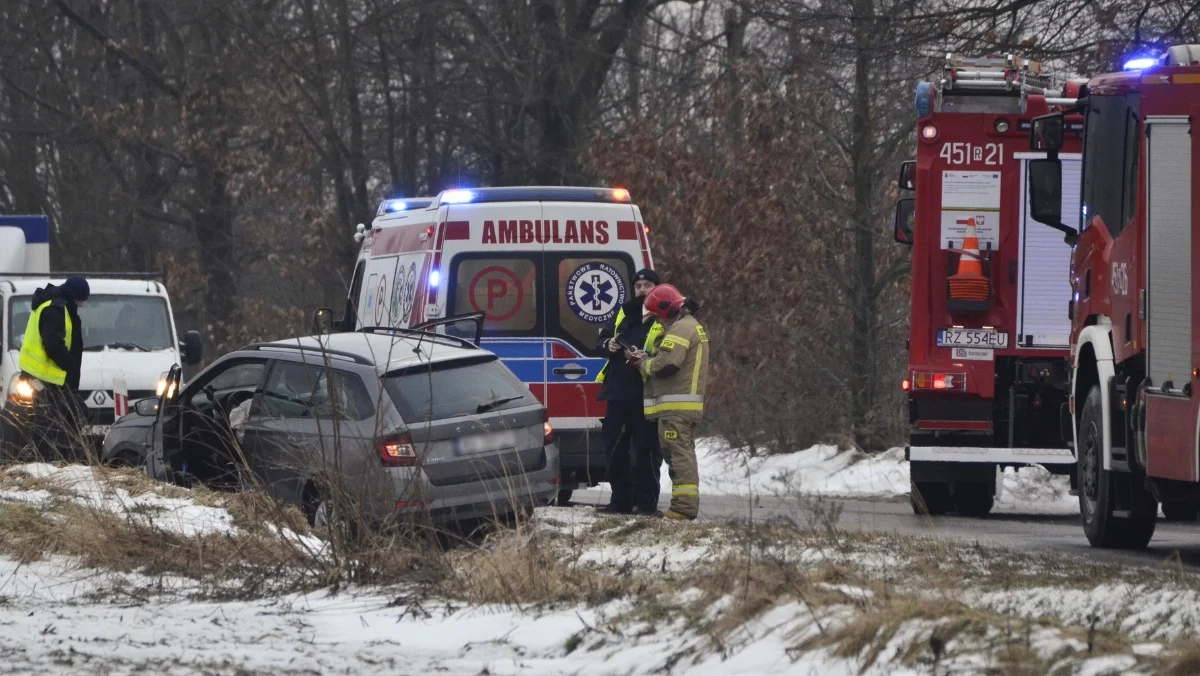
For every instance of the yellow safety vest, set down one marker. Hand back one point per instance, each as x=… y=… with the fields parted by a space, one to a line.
x=655 y=331
x=34 y=360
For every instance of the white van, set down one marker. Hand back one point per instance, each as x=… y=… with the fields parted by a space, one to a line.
x=129 y=335
x=546 y=266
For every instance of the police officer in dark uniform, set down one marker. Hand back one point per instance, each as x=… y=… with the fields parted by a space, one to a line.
x=631 y=444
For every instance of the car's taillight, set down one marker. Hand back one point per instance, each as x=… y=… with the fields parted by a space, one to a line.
x=547 y=430
x=398 y=451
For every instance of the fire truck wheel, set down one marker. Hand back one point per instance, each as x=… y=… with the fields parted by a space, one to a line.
x=973 y=499
x=929 y=498
x=1180 y=511
x=1097 y=488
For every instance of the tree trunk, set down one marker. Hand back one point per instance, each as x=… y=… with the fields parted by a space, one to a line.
x=862 y=356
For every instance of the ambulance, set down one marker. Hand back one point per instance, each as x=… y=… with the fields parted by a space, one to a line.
x=546 y=267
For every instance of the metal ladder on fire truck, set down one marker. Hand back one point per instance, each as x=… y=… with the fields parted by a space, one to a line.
x=1008 y=73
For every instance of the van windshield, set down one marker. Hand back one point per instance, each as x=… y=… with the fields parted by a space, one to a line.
x=453 y=389
x=135 y=323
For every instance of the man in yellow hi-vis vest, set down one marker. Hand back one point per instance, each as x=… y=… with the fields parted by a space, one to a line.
x=676 y=370
x=51 y=359
x=630 y=443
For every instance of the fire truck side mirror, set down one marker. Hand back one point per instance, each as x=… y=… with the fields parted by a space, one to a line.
x=1045 y=195
x=1046 y=134
x=908 y=175
x=902 y=228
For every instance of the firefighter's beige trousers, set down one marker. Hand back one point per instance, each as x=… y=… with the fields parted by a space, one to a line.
x=679 y=447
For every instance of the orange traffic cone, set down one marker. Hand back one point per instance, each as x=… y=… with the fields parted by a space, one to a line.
x=969 y=283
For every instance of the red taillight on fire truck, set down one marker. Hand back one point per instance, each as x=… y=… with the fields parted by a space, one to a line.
x=950 y=382
x=906 y=385
x=398 y=451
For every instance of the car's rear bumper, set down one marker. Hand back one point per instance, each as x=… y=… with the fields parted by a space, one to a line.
x=488 y=499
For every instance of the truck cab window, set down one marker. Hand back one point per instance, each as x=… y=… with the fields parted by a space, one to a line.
x=1133 y=145
x=1106 y=183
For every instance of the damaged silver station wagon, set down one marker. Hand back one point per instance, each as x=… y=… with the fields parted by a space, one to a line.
x=403 y=421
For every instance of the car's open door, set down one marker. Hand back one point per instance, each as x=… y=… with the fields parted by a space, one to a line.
x=167 y=422
x=465 y=326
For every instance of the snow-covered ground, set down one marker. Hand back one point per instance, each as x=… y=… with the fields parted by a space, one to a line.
x=828 y=471
x=60 y=617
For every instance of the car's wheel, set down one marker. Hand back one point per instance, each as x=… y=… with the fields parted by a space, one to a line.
x=931 y=498
x=1180 y=511
x=563 y=498
x=1098 y=486
x=973 y=499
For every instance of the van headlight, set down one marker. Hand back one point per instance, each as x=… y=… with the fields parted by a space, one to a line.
x=20 y=390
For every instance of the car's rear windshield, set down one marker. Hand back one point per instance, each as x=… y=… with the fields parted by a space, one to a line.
x=458 y=388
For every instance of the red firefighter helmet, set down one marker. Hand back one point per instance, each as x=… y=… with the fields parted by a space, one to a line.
x=664 y=301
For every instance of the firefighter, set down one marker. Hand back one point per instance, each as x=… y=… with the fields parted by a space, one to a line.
x=51 y=358
x=676 y=372
x=630 y=442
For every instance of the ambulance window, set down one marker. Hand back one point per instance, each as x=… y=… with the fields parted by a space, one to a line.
x=590 y=292
x=504 y=289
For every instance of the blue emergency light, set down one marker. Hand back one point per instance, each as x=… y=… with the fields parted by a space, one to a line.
x=457 y=196
x=435 y=278
x=924 y=99
x=1140 y=63
x=393 y=206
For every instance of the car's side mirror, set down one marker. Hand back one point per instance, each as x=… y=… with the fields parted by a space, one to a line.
x=908 y=175
x=146 y=407
x=322 y=321
x=1046 y=134
x=193 y=348
x=902 y=227
x=1045 y=196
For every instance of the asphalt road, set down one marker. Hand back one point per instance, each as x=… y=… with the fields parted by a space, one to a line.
x=1174 y=544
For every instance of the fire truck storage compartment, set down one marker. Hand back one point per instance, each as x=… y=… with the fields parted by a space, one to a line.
x=1043 y=287
x=1169 y=254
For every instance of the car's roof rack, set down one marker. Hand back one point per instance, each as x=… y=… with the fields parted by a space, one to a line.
x=320 y=349
x=93 y=275
x=426 y=335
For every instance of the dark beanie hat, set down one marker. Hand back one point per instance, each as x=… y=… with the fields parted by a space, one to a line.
x=76 y=288
x=648 y=275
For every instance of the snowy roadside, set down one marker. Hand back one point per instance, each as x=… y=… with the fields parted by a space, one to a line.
x=575 y=592
x=827 y=471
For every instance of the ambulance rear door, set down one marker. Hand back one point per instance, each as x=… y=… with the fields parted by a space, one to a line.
x=494 y=264
x=592 y=250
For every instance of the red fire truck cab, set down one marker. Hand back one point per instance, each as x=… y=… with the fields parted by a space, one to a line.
x=1135 y=327
x=987 y=370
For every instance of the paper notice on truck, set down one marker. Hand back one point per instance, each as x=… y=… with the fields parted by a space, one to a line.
x=968 y=195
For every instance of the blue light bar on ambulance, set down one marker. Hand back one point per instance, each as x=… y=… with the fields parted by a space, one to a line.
x=407 y=204
x=1140 y=63
x=535 y=193
x=435 y=278
x=456 y=197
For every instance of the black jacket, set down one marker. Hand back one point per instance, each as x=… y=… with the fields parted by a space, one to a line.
x=621 y=381
x=53 y=329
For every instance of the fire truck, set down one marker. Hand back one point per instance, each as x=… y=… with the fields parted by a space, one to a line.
x=1135 y=325
x=988 y=330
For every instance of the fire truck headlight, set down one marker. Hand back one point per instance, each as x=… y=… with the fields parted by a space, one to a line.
x=1001 y=126
x=929 y=132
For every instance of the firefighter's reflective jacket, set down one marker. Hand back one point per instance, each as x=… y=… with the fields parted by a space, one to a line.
x=677 y=373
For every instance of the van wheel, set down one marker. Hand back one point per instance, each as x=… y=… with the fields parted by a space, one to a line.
x=1098 y=489
x=1180 y=511
x=929 y=498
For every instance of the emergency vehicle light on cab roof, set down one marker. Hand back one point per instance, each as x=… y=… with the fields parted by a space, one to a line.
x=408 y=204
x=533 y=194
x=1140 y=63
